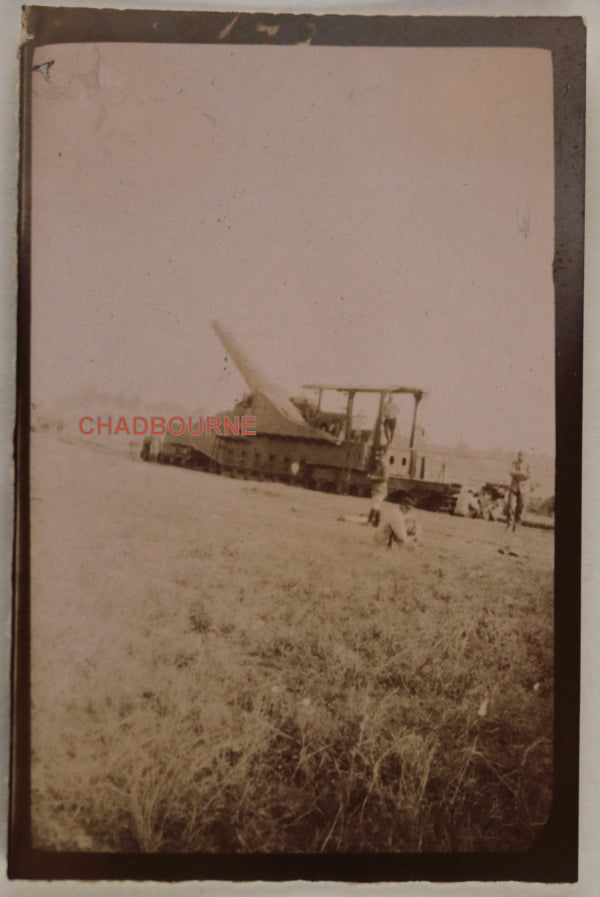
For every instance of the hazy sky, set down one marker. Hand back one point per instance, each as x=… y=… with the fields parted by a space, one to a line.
x=355 y=215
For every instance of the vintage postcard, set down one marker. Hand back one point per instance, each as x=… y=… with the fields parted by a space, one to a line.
x=299 y=447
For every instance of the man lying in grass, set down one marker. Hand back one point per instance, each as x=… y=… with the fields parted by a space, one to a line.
x=399 y=524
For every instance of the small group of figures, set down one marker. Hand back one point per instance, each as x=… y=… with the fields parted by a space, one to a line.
x=498 y=502
x=398 y=523
x=389 y=417
x=334 y=428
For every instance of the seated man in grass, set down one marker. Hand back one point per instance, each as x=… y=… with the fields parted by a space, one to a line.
x=399 y=524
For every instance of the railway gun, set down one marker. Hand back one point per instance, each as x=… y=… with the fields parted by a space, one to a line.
x=300 y=443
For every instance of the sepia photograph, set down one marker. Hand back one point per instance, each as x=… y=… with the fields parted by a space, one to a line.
x=299 y=447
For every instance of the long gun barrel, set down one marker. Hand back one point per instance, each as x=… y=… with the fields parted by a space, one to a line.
x=257 y=379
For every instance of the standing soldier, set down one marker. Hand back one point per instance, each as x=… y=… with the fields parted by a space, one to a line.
x=390 y=415
x=519 y=474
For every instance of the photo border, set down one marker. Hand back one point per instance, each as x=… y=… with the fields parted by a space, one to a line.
x=554 y=856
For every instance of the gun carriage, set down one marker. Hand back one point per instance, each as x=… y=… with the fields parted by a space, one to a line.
x=298 y=442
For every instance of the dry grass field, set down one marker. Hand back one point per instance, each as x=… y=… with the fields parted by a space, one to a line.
x=220 y=665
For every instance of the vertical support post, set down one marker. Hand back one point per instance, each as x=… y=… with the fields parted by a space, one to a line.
x=411 y=445
x=349 y=407
x=377 y=429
